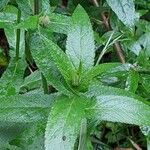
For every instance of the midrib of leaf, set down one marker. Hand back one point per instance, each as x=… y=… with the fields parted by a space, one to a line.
x=66 y=118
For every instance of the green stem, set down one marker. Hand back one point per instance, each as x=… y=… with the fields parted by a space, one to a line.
x=18 y=35
x=36 y=7
x=45 y=86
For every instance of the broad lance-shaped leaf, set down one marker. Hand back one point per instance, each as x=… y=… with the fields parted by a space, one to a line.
x=64 y=122
x=25 y=108
x=12 y=78
x=42 y=49
x=80 y=41
x=125 y=10
x=116 y=105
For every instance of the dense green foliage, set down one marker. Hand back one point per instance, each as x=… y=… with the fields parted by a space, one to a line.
x=59 y=91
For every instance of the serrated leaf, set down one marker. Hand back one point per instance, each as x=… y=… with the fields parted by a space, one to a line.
x=63 y=128
x=27 y=101
x=125 y=10
x=42 y=49
x=80 y=42
x=25 y=108
x=116 y=105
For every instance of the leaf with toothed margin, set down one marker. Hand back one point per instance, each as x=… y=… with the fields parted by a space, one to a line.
x=25 y=108
x=80 y=46
x=63 y=128
x=47 y=57
x=117 y=105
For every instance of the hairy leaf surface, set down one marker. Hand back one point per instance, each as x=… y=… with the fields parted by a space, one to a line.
x=118 y=105
x=80 y=41
x=125 y=10
x=45 y=52
x=63 y=128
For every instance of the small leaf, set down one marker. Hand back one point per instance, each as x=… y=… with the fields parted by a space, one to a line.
x=125 y=10
x=118 y=105
x=80 y=41
x=63 y=128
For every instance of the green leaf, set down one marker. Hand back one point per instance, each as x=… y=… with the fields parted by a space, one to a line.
x=145 y=41
x=30 y=23
x=83 y=135
x=46 y=7
x=80 y=41
x=13 y=77
x=8 y=17
x=25 y=108
x=118 y=105
x=63 y=128
x=132 y=81
x=33 y=80
x=59 y=23
x=25 y=7
x=44 y=51
x=33 y=137
x=125 y=10
x=3 y=3
x=9 y=131
x=96 y=71
x=11 y=37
